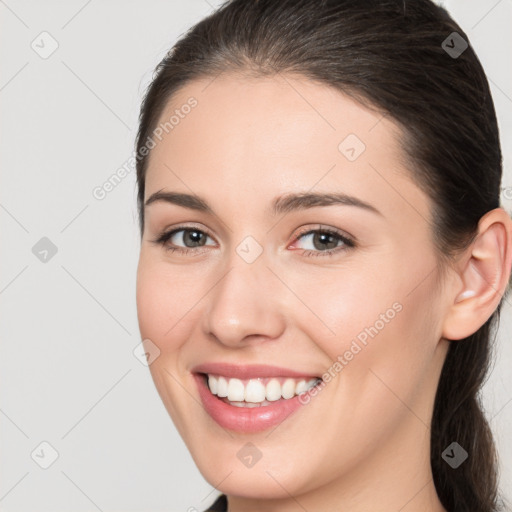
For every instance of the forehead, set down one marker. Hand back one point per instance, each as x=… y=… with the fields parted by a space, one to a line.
x=273 y=135
x=272 y=115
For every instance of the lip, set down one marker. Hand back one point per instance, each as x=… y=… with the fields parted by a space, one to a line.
x=241 y=419
x=251 y=371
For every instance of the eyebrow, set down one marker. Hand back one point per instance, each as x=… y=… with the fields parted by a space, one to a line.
x=281 y=205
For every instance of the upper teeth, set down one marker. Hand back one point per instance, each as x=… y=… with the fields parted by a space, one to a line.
x=254 y=390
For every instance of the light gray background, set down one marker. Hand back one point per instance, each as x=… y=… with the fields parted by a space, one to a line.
x=69 y=326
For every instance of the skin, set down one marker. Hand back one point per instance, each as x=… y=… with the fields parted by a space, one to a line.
x=363 y=443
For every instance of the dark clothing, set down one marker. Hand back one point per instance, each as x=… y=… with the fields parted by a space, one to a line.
x=219 y=505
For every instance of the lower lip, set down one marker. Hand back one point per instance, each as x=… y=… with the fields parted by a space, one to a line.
x=245 y=419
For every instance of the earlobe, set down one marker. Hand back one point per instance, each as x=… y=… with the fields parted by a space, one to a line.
x=484 y=272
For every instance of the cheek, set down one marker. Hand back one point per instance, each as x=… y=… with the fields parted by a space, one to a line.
x=390 y=299
x=163 y=300
x=150 y=306
x=349 y=305
x=383 y=329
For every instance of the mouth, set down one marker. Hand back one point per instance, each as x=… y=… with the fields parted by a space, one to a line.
x=251 y=398
x=256 y=392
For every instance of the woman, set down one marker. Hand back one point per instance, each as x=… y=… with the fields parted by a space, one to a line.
x=324 y=255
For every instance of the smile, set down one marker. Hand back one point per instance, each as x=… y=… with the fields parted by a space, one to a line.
x=257 y=392
x=250 y=398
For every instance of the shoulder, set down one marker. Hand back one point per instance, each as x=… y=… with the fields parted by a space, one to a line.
x=219 y=505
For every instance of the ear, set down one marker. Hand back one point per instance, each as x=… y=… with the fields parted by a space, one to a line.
x=484 y=271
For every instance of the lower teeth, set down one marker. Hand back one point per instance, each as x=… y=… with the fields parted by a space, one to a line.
x=246 y=404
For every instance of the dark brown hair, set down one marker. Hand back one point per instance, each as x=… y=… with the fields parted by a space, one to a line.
x=394 y=56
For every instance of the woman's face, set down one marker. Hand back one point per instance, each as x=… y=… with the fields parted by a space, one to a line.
x=258 y=302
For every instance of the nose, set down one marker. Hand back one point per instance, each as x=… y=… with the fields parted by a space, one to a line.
x=244 y=306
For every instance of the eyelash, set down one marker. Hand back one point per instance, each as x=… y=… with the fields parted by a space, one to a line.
x=348 y=242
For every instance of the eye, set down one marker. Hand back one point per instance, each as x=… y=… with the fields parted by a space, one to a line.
x=325 y=242
x=191 y=238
